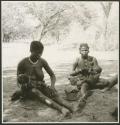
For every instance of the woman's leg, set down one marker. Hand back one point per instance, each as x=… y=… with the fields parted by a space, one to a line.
x=84 y=90
x=110 y=83
x=113 y=81
x=101 y=84
x=82 y=101
x=49 y=102
x=53 y=95
x=63 y=102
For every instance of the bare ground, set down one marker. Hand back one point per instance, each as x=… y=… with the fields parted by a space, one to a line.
x=98 y=108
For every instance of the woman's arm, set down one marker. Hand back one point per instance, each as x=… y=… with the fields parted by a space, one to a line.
x=20 y=68
x=20 y=71
x=50 y=72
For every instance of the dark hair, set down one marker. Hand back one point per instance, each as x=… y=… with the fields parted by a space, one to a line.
x=84 y=45
x=36 y=46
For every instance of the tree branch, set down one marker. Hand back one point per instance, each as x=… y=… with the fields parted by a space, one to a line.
x=106 y=9
x=47 y=28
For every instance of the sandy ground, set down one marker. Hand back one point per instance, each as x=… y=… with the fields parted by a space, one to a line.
x=99 y=105
x=98 y=108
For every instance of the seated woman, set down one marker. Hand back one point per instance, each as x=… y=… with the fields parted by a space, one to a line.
x=86 y=74
x=30 y=79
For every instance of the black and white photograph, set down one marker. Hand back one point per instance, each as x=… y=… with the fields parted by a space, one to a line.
x=60 y=61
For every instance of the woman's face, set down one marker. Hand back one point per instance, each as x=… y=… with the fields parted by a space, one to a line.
x=84 y=51
x=36 y=55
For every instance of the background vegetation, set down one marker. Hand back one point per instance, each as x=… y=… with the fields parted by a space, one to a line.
x=67 y=23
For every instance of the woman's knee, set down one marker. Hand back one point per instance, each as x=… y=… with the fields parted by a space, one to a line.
x=16 y=95
x=35 y=91
x=84 y=84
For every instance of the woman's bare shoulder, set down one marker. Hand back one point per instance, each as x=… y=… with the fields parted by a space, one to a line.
x=24 y=60
x=43 y=61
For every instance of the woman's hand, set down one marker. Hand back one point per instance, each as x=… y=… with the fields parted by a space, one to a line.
x=53 y=88
x=52 y=91
x=22 y=78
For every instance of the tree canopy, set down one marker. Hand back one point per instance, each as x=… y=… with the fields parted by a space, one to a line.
x=44 y=20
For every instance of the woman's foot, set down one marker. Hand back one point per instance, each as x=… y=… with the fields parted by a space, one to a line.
x=105 y=89
x=71 y=108
x=66 y=112
x=82 y=102
x=78 y=106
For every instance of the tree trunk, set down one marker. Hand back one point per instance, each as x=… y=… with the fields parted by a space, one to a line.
x=106 y=9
